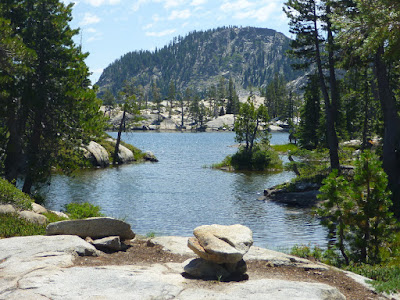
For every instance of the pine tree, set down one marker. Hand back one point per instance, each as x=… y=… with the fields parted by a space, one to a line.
x=368 y=33
x=309 y=131
x=306 y=19
x=59 y=109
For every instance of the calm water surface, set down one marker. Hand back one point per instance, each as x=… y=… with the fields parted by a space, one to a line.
x=179 y=193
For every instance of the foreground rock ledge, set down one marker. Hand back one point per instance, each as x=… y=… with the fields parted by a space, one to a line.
x=41 y=267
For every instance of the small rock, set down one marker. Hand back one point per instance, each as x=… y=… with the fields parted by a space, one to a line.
x=60 y=214
x=203 y=269
x=149 y=156
x=37 y=208
x=33 y=217
x=7 y=209
x=108 y=243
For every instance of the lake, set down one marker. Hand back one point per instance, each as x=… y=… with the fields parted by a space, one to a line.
x=180 y=192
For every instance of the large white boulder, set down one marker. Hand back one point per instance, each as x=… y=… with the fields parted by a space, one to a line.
x=97 y=154
x=124 y=154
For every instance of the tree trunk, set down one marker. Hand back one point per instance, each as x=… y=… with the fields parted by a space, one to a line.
x=33 y=154
x=13 y=150
x=391 y=138
x=330 y=121
x=116 y=150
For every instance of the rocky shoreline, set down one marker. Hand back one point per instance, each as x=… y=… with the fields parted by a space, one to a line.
x=44 y=267
x=101 y=258
x=300 y=194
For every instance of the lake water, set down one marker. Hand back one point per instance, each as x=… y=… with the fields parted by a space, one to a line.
x=179 y=193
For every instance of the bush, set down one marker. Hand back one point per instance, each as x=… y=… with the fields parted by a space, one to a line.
x=9 y=194
x=304 y=251
x=11 y=225
x=259 y=159
x=82 y=210
x=386 y=278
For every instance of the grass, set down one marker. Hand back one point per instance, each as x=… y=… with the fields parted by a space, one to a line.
x=9 y=194
x=82 y=210
x=285 y=148
x=385 y=276
x=11 y=225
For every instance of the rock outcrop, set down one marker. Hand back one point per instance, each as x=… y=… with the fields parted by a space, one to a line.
x=41 y=267
x=96 y=154
x=149 y=156
x=34 y=216
x=95 y=228
x=221 y=249
x=124 y=154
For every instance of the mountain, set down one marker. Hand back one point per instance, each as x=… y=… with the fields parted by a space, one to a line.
x=250 y=56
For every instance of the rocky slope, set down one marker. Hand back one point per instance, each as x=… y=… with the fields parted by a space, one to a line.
x=250 y=56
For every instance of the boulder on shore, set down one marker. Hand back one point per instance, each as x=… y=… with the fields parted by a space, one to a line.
x=220 y=243
x=124 y=154
x=95 y=228
x=97 y=155
x=221 y=249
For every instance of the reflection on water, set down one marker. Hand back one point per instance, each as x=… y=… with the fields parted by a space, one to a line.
x=177 y=194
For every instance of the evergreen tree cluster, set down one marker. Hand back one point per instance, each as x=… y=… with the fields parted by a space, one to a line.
x=47 y=108
x=350 y=50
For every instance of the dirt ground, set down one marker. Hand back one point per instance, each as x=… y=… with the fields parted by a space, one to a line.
x=139 y=252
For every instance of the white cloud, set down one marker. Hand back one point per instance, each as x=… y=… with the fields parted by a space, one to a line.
x=89 y=19
x=161 y=33
x=156 y=18
x=148 y=26
x=91 y=30
x=173 y=3
x=239 y=5
x=136 y=6
x=264 y=13
x=96 y=37
x=198 y=2
x=179 y=14
x=102 y=2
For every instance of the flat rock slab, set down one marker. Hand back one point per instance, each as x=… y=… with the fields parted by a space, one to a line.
x=220 y=243
x=41 y=267
x=174 y=244
x=20 y=256
x=95 y=228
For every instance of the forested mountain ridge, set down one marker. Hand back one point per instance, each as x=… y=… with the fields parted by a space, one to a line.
x=250 y=56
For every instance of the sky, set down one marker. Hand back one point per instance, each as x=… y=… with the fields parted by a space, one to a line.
x=112 y=28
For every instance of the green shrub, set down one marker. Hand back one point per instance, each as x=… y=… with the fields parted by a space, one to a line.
x=11 y=225
x=226 y=163
x=9 y=194
x=259 y=159
x=307 y=252
x=386 y=278
x=82 y=210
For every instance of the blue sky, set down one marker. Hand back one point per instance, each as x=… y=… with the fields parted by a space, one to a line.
x=111 y=28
